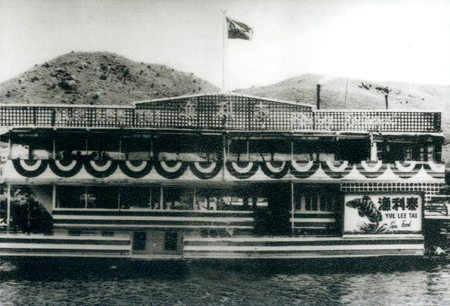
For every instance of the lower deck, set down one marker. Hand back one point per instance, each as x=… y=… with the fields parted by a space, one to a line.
x=155 y=246
x=207 y=221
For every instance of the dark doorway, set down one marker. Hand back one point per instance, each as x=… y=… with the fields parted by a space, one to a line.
x=139 y=241
x=274 y=219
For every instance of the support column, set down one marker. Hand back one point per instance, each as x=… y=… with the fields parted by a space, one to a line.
x=373 y=149
x=8 y=208
x=54 y=149
x=161 y=197
x=54 y=196
x=224 y=156
x=9 y=148
x=292 y=208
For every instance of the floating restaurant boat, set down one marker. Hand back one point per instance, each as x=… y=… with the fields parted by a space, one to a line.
x=217 y=176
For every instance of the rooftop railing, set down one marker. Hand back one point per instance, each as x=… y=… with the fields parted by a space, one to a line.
x=248 y=116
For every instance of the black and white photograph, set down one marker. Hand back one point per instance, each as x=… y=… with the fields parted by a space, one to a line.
x=222 y=152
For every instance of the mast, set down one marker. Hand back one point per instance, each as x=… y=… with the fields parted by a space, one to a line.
x=224 y=49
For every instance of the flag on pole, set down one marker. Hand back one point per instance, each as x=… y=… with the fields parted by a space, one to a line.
x=238 y=30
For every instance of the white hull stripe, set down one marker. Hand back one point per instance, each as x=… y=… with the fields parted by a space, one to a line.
x=215 y=248
x=63 y=246
x=131 y=225
x=303 y=239
x=313 y=220
x=153 y=218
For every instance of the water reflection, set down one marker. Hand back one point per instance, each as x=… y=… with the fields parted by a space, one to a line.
x=227 y=283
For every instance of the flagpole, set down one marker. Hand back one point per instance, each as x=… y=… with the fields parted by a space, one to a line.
x=224 y=50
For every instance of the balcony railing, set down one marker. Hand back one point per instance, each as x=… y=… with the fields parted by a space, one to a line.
x=247 y=117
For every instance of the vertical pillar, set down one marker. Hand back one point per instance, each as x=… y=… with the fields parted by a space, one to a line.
x=224 y=156
x=194 y=200
x=292 y=149
x=302 y=203
x=120 y=148
x=248 y=150
x=54 y=196
x=150 y=195
x=152 y=155
x=86 y=197
x=161 y=197
x=118 y=199
x=8 y=208
x=54 y=149
x=292 y=208
x=9 y=148
x=373 y=149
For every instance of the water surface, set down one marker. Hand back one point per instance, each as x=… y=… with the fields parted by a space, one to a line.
x=226 y=283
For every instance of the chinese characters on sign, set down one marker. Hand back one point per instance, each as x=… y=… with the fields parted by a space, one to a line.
x=87 y=115
x=383 y=214
x=226 y=112
x=262 y=114
x=188 y=112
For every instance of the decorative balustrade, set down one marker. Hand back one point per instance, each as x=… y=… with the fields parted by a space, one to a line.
x=218 y=112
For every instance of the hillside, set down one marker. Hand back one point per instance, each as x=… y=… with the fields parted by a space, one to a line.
x=99 y=78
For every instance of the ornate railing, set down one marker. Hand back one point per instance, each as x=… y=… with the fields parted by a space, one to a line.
x=218 y=112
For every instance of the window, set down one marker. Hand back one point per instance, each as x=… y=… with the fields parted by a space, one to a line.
x=95 y=197
x=171 y=241
x=187 y=148
x=315 y=150
x=75 y=232
x=392 y=150
x=320 y=199
x=107 y=233
x=354 y=150
x=140 y=197
x=139 y=241
x=259 y=150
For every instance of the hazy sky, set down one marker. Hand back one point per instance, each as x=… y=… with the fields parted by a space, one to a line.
x=391 y=40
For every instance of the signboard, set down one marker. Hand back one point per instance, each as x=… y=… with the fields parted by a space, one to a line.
x=387 y=213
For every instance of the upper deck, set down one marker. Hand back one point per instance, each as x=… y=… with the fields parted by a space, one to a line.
x=217 y=112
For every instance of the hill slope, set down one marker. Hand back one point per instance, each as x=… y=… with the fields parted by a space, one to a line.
x=99 y=78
